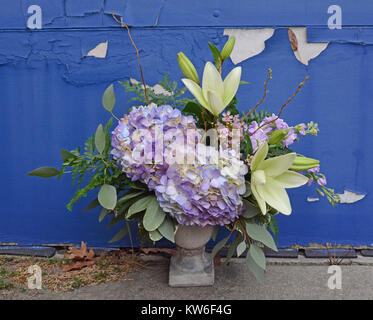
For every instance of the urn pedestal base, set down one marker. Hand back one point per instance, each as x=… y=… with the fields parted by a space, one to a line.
x=191 y=266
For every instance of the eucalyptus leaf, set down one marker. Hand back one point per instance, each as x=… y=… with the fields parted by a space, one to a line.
x=128 y=196
x=107 y=196
x=122 y=212
x=260 y=233
x=121 y=234
x=241 y=248
x=66 y=155
x=167 y=229
x=140 y=205
x=93 y=204
x=108 y=98
x=155 y=235
x=248 y=189
x=118 y=218
x=250 y=210
x=103 y=214
x=254 y=268
x=100 y=139
x=154 y=215
x=217 y=247
x=44 y=172
x=215 y=232
x=232 y=247
x=258 y=255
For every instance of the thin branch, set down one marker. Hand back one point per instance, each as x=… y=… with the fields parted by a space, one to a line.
x=264 y=95
x=137 y=51
x=283 y=106
x=203 y=119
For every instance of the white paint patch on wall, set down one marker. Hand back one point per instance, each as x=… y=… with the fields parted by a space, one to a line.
x=249 y=42
x=310 y=199
x=350 y=197
x=158 y=89
x=306 y=51
x=99 y=51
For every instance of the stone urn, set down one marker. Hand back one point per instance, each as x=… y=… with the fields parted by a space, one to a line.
x=191 y=265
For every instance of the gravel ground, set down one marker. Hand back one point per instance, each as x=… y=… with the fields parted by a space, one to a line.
x=284 y=279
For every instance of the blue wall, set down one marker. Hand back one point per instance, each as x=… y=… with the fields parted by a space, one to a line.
x=51 y=93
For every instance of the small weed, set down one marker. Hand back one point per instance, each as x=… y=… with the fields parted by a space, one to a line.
x=77 y=283
x=6 y=285
x=100 y=275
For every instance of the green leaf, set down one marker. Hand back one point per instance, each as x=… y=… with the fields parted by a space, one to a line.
x=66 y=155
x=232 y=247
x=254 y=268
x=100 y=139
x=260 y=233
x=217 y=247
x=274 y=228
x=167 y=229
x=258 y=255
x=154 y=215
x=108 y=98
x=155 y=235
x=215 y=232
x=122 y=212
x=103 y=214
x=248 y=190
x=44 y=172
x=139 y=205
x=250 y=210
x=121 y=234
x=137 y=185
x=216 y=53
x=93 y=204
x=195 y=109
x=244 y=82
x=128 y=196
x=241 y=248
x=107 y=197
x=232 y=107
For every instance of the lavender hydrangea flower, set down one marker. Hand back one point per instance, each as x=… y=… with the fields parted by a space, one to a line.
x=142 y=138
x=206 y=192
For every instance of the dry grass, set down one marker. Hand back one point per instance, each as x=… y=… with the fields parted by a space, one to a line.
x=111 y=266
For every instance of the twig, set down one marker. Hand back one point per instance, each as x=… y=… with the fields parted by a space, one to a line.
x=283 y=106
x=203 y=118
x=137 y=51
x=264 y=96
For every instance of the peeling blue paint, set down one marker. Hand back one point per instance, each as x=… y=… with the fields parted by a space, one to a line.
x=192 y=13
x=345 y=35
x=51 y=97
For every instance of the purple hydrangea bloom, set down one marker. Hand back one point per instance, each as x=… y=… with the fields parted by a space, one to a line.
x=142 y=137
x=204 y=194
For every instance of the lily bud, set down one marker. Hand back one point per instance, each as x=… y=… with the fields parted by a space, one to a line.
x=187 y=67
x=228 y=47
x=277 y=136
x=303 y=163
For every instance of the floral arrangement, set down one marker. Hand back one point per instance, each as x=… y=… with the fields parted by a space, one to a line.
x=200 y=162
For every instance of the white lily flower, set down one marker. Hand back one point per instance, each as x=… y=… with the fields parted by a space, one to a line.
x=270 y=177
x=215 y=94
